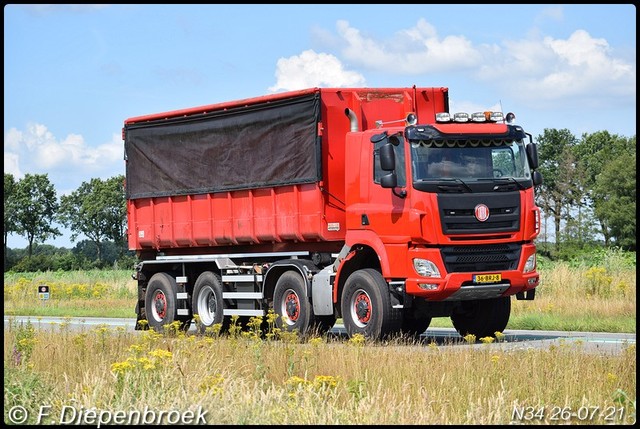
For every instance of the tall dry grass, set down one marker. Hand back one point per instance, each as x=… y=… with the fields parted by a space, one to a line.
x=94 y=293
x=245 y=379
x=580 y=298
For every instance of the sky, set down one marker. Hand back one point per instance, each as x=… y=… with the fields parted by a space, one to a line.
x=74 y=73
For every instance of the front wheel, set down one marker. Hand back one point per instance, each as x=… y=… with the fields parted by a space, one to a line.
x=414 y=326
x=291 y=303
x=482 y=318
x=366 y=306
x=160 y=301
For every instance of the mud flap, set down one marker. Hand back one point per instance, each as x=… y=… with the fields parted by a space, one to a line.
x=528 y=295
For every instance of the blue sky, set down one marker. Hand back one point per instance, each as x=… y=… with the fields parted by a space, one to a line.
x=74 y=73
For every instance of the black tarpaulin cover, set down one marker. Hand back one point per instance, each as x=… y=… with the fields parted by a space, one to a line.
x=266 y=144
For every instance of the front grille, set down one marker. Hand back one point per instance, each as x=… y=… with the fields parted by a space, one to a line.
x=496 y=257
x=457 y=213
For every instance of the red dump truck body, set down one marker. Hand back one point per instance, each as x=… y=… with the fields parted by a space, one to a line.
x=374 y=205
x=287 y=206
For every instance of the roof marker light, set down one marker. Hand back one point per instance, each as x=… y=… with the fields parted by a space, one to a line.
x=478 y=117
x=443 y=117
x=497 y=117
x=461 y=117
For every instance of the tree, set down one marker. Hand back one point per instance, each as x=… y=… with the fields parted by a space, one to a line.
x=97 y=209
x=556 y=165
x=9 y=210
x=34 y=206
x=117 y=208
x=614 y=195
x=609 y=161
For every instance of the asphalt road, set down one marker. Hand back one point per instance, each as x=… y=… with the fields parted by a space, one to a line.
x=592 y=342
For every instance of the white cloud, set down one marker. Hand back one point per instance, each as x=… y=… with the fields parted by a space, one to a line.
x=12 y=139
x=416 y=50
x=11 y=161
x=37 y=151
x=578 y=69
x=311 y=69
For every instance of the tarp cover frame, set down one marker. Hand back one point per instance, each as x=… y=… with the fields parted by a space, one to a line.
x=261 y=145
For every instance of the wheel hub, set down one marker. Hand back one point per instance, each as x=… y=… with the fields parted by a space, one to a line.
x=363 y=308
x=160 y=304
x=212 y=305
x=292 y=307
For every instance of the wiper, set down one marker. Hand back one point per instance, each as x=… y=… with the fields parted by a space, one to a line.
x=457 y=181
x=509 y=179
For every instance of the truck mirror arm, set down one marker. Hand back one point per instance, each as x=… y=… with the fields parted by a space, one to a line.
x=401 y=194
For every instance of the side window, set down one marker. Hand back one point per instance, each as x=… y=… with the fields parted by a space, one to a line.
x=378 y=172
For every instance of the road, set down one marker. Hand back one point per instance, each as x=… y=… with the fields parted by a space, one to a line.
x=596 y=342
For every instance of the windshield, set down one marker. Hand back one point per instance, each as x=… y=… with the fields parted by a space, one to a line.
x=469 y=160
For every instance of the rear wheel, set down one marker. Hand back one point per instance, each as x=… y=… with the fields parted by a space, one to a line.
x=160 y=301
x=207 y=301
x=291 y=303
x=482 y=318
x=366 y=306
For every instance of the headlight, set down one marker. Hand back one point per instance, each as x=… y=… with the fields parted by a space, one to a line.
x=425 y=268
x=530 y=265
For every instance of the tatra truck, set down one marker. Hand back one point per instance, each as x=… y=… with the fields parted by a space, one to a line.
x=376 y=206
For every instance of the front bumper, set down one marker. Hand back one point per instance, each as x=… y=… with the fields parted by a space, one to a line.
x=458 y=286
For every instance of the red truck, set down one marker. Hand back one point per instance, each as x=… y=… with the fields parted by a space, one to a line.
x=376 y=206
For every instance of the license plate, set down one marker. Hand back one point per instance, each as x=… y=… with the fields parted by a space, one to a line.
x=487 y=278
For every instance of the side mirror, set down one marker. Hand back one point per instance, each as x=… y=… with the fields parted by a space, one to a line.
x=537 y=178
x=532 y=155
x=389 y=180
x=387 y=157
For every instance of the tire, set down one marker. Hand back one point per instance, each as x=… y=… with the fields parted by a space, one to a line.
x=160 y=301
x=414 y=327
x=482 y=318
x=291 y=303
x=366 y=306
x=207 y=302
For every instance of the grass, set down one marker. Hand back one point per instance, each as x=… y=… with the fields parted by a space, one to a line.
x=100 y=374
x=97 y=293
x=243 y=378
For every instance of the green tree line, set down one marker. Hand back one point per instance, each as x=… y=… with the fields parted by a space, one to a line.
x=96 y=211
x=587 y=198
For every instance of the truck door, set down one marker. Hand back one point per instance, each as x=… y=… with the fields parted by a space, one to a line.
x=387 y=211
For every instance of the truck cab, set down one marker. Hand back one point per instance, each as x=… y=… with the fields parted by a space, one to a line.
x=448 y=208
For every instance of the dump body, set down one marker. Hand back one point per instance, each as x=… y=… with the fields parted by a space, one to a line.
x=264 y=173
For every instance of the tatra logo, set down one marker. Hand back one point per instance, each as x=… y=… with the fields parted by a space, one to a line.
x=482 y=212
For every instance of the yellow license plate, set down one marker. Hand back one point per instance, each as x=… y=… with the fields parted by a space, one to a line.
x=487 y=278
